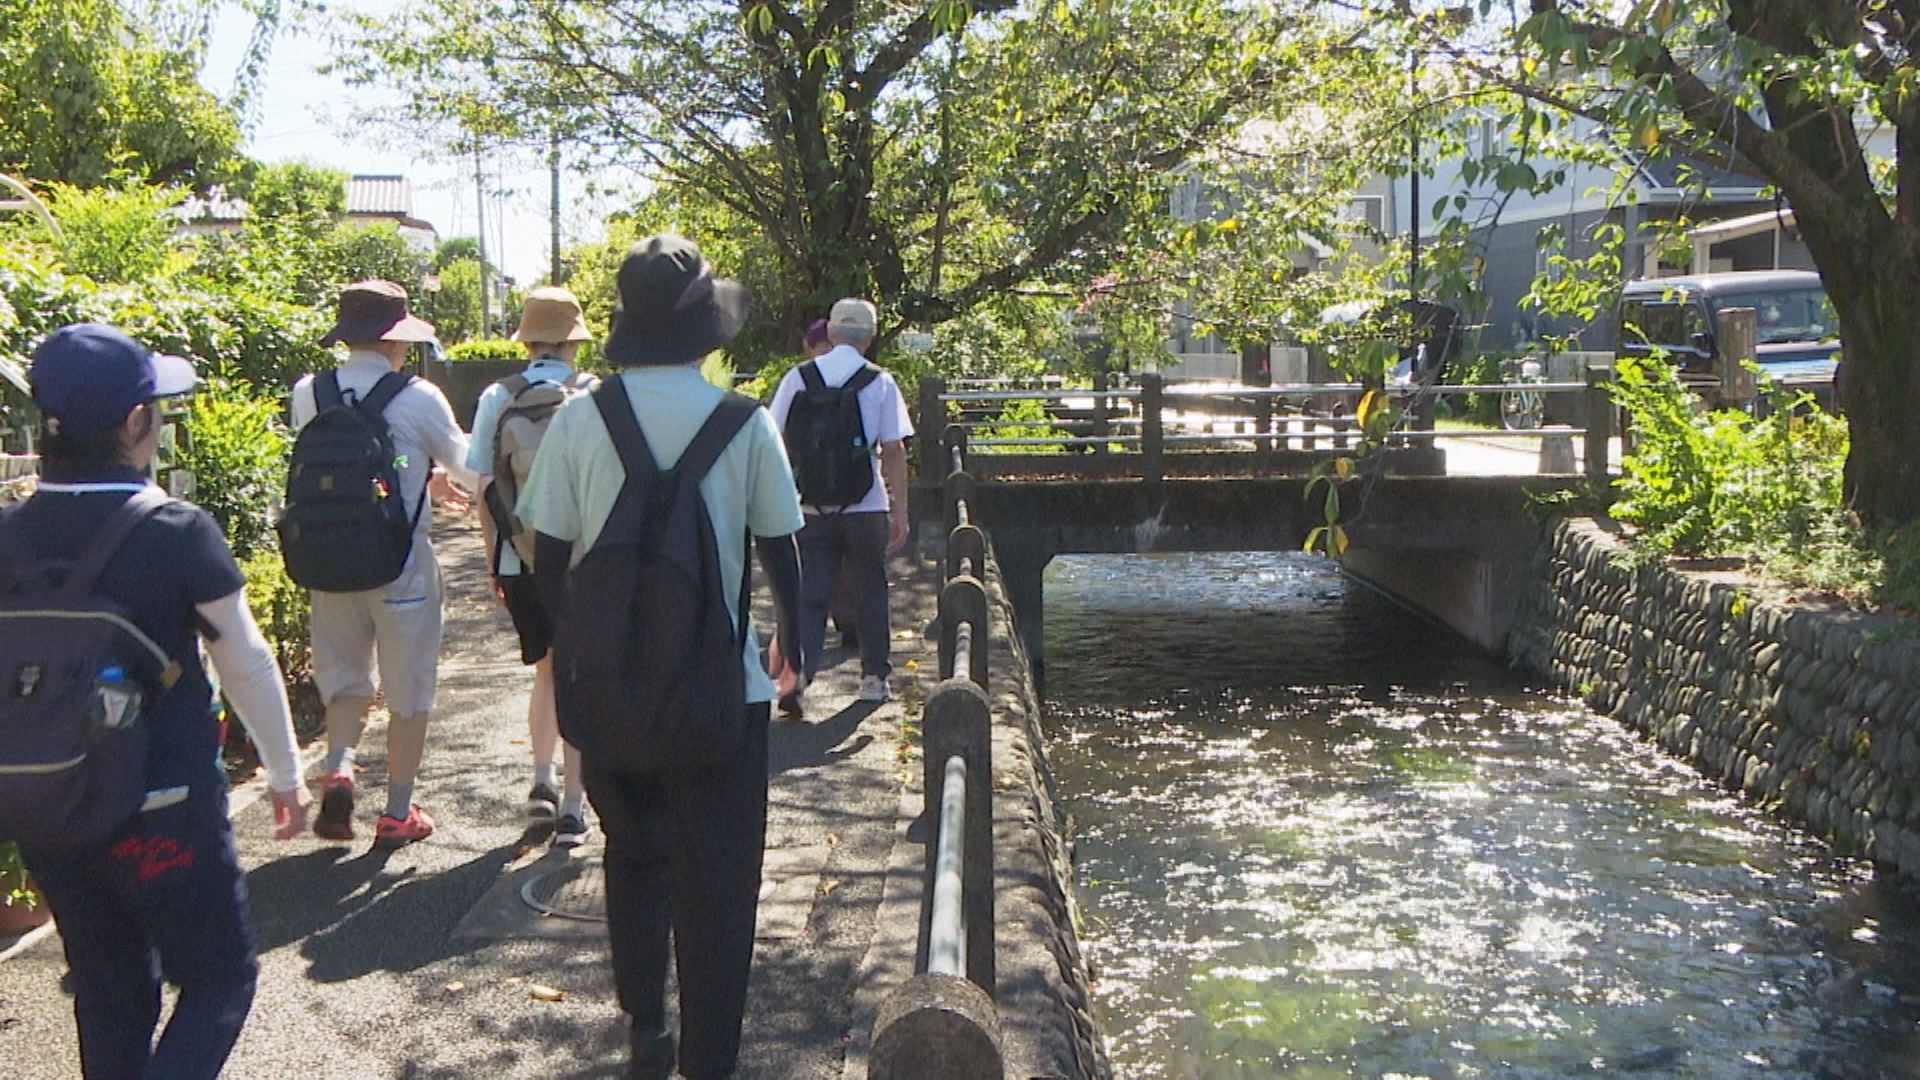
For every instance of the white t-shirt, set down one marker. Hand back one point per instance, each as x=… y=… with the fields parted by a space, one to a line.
x=883 y=413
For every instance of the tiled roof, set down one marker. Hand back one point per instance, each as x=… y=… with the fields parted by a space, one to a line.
x=387 y=195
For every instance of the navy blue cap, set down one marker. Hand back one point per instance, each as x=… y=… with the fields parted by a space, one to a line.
x=88 y=376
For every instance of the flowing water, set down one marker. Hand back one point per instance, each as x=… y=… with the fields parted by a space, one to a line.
x=1319 y=837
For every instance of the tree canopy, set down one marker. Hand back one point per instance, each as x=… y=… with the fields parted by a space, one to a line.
x=90 y=92
x=933 y=154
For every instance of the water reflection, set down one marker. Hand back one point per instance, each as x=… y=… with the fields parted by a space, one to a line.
x=1318 y=837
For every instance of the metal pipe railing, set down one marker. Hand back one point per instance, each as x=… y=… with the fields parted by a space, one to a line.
x=947 y=929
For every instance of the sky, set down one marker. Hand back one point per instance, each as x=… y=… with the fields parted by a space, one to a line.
x=304 y=115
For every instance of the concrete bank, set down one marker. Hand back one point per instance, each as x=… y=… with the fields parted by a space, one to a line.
x=1813 y=710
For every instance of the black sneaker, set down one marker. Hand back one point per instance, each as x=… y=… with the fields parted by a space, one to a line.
x=571 y=831
x=791 y=706
x=542 y=802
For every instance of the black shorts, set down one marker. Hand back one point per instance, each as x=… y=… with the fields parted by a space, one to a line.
x=530 y=618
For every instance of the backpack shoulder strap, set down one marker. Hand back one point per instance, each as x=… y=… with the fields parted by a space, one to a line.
x=384 y=392
x=515 y=385
x=623 y=428
x=861 y=379
x=326 y=391
x=810 y=375
x=580 y=380
x=723 y=423
x=93 y=561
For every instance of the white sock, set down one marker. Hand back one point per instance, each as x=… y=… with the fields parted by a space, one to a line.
x=399 y=800
x=574 y=803
x=340 y=761
x=546 y=774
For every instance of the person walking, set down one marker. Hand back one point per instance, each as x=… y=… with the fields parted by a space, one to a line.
x=509 y=424
x=162 y=894
x=655 y=480
x=396 y=623
x=845 y=424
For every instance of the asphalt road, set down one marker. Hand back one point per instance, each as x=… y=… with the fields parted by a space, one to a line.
x=423 y=962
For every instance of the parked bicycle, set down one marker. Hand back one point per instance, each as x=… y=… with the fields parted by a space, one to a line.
x=1523 y=408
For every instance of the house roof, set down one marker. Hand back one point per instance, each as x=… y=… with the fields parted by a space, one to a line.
x=386 y=196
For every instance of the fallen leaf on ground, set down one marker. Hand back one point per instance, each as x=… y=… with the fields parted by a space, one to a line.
x=513 y=980
x=913 y=665
x=767 y=887
x=828 y=888
x=454 y=987
x=543 y=992
x=832 y=839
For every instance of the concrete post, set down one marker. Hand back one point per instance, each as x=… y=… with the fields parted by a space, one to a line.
x=1153 y=445
x=964 y=600
x=1556 y=450
x=1732 y=353
x=956 y=439
x=959 y=488
x=967 y=552
x=958 y=720
x=932 y=423
x=1599 y=423
x=937 y=1027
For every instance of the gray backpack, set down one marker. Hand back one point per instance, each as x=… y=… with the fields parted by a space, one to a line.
x=523 y=422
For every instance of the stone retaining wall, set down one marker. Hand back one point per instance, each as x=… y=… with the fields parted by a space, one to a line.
x=1046 y=1012
x=1813 y=711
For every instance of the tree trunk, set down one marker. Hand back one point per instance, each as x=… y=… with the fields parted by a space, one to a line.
x=1874 y=293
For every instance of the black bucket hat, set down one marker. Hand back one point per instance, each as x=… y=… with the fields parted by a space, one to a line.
x=376 y=311
x=672 y=309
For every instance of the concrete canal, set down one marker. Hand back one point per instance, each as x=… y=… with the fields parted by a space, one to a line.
x=1318 y=836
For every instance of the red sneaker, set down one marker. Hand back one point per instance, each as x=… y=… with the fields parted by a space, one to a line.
x=335 y=819
x=392 y=832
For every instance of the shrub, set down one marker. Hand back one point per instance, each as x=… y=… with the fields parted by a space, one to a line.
x=1726 y=482
x=119 y=235
x=13 y=877
x=281 y=609
x=487 y=349
x=1481 y=369
x=236 y=447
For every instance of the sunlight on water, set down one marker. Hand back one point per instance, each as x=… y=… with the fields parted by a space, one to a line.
x=1319 y=837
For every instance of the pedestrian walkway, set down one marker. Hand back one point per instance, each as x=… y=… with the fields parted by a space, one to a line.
x=430 y=962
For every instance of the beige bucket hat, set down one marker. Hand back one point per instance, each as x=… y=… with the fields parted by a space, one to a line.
x=552 y=314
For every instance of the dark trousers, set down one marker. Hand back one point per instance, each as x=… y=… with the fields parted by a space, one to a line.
x=854 y=545
x=683 y=853
x=164 y=896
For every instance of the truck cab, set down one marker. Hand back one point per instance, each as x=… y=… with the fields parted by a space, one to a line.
x=1796 y=332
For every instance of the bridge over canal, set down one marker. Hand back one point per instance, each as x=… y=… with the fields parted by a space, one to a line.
x=1173 y=469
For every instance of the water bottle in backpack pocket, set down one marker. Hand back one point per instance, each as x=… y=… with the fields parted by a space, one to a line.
x=76 y=676
x=346 y=527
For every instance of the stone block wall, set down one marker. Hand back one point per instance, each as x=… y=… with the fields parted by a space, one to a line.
x=1813 y=711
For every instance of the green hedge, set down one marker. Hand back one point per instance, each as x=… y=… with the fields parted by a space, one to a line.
x=487 y=349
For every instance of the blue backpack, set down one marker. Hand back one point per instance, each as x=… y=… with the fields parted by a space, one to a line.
x=76 y=675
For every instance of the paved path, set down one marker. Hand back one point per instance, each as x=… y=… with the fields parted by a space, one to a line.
x=426 y=962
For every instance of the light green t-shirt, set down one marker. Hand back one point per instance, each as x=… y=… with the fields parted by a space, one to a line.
x=577 y=475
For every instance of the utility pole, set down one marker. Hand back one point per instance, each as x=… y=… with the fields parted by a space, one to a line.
x=557 y=272
x=480 y=191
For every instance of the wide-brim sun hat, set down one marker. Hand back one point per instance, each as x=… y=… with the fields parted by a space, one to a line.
x=376 y=311
x=552 y=315
x=88 y=377
x=672 y=309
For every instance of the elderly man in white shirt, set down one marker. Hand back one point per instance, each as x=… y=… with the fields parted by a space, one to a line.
x=854 y=539
x=397 y=624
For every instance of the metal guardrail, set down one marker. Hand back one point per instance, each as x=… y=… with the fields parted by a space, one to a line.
x=1153 y=419
x=943 y=1021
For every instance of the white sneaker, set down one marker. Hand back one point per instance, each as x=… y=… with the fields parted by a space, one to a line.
x=873 y=688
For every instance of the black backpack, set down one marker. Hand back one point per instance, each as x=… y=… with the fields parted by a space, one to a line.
x=827 y=440
x=345 y=527
x=648 y=665
x=75 y=677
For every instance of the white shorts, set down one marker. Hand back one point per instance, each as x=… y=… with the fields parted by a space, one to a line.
x=398 y=624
